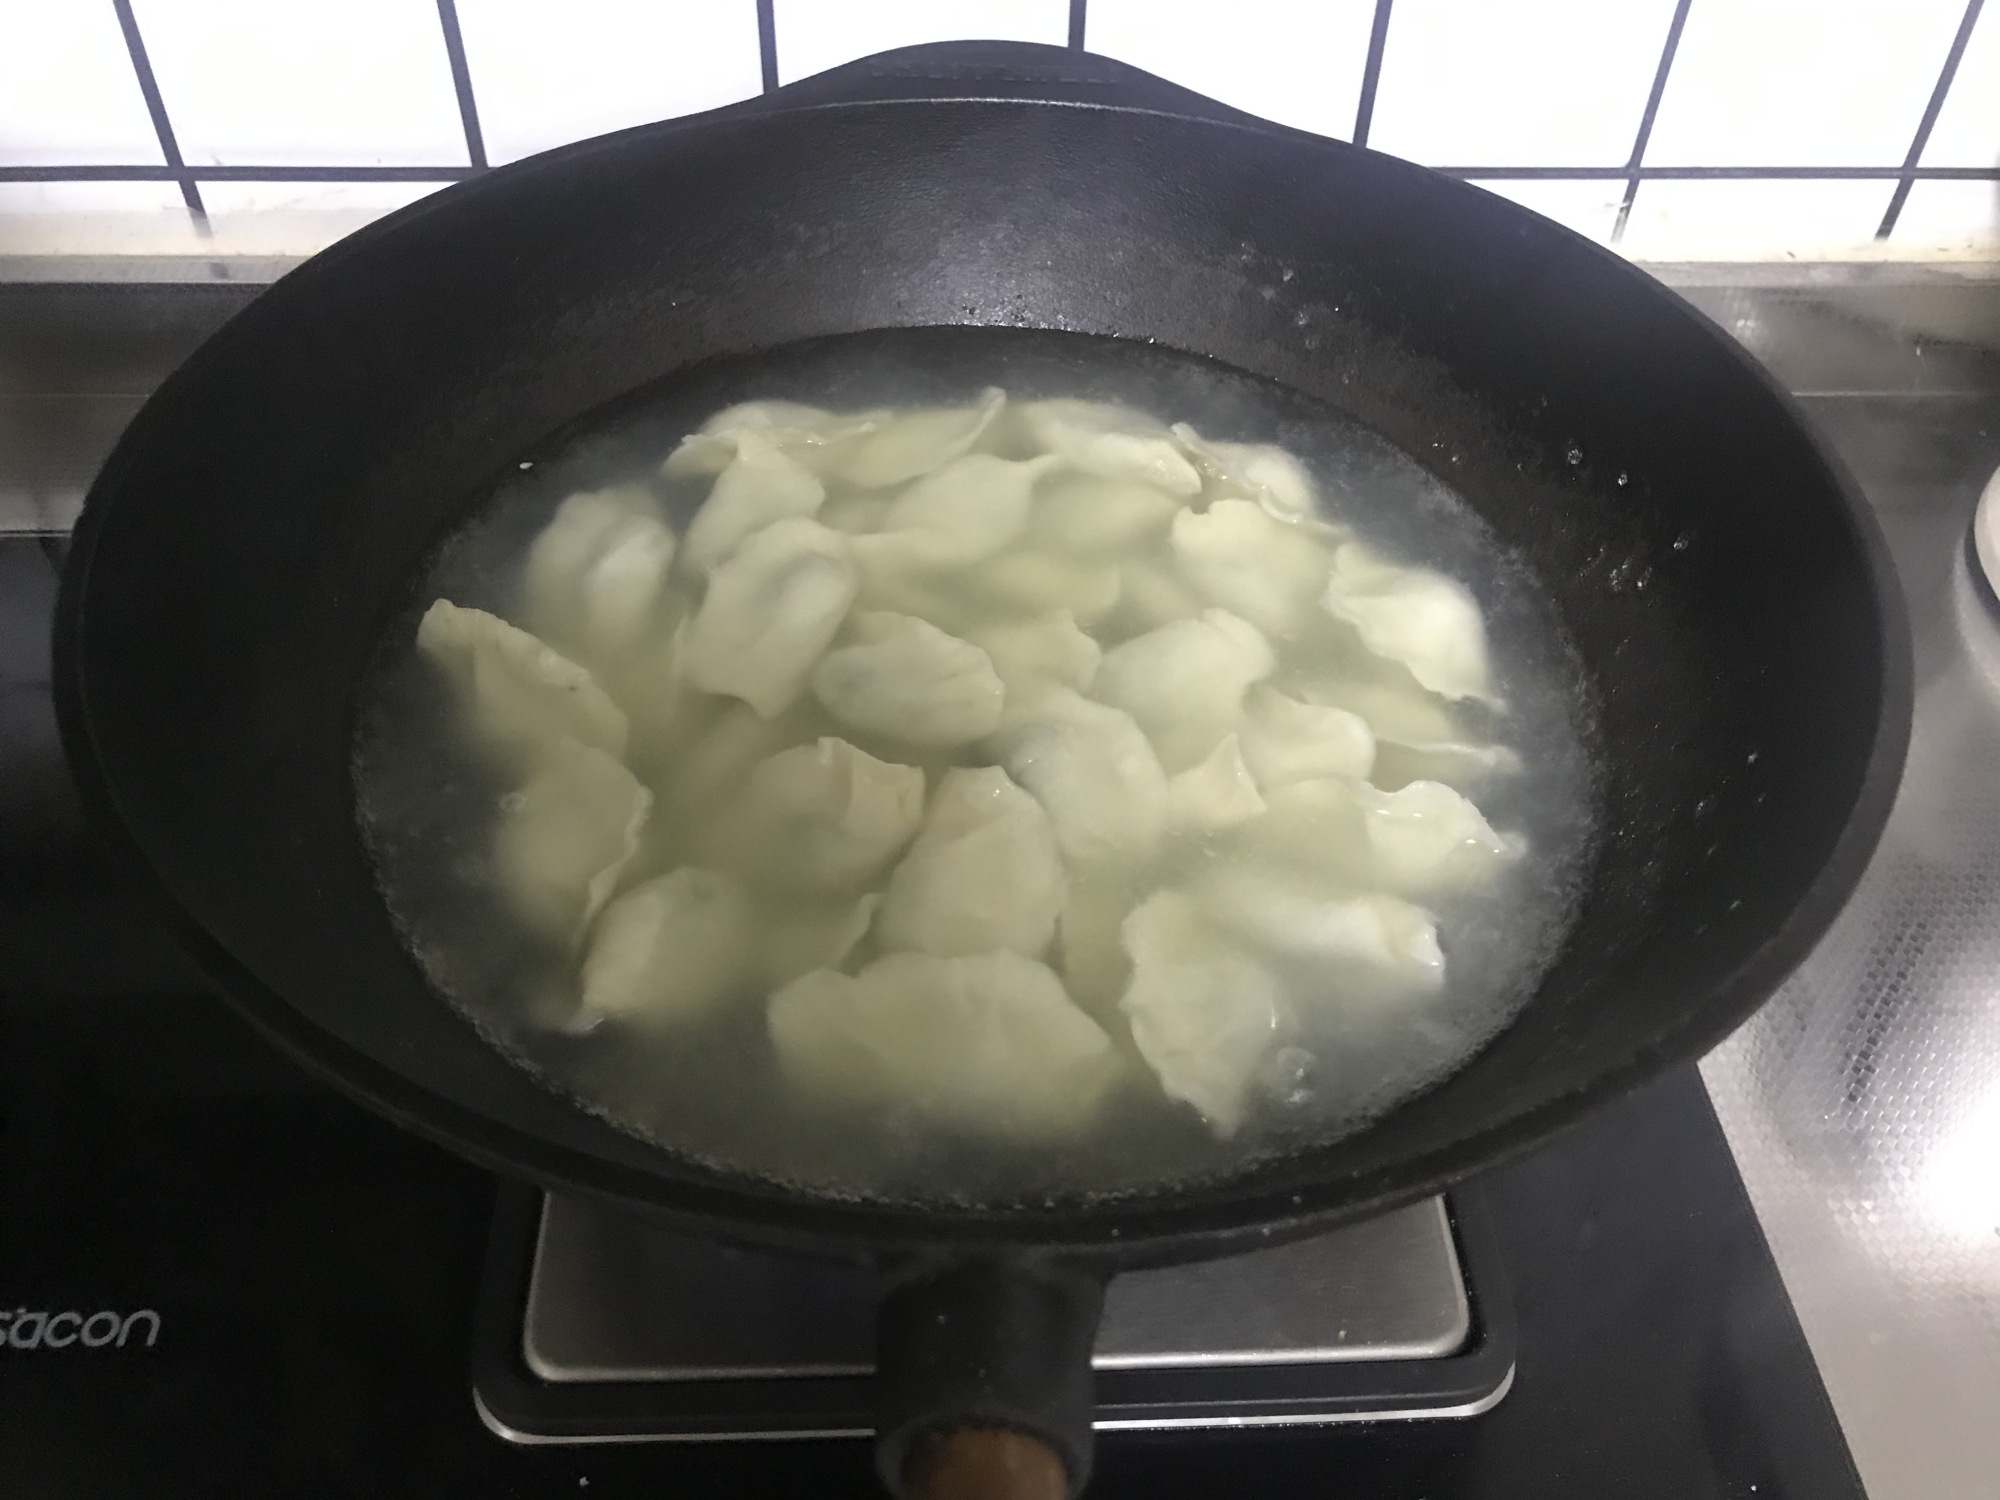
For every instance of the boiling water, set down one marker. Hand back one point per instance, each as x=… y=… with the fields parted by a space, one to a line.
x=710 y=1090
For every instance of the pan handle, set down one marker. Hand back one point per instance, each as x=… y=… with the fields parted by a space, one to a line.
x=983 y=1381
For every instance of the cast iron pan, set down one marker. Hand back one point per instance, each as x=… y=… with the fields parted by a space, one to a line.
x=262 y=516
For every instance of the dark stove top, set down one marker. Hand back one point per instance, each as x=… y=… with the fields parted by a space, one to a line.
x=315 y=1275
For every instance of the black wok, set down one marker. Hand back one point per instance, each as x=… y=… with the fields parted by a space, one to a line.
x=1716 y=569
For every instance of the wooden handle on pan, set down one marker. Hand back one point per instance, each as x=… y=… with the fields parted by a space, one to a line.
x=984 y=1463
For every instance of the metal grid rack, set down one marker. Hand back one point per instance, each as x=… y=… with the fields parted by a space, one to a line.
x=1632 y=172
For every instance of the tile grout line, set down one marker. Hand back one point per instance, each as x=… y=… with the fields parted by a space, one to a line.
x=156 y=107
x=1640 y=141
x=767 y=44
x=1908 y=177
x=1371 y=71
x=461 y=84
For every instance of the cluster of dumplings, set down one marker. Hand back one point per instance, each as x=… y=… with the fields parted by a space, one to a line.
x=1005 y=755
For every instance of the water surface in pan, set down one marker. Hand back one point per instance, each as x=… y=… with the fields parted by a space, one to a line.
x=708 y=1089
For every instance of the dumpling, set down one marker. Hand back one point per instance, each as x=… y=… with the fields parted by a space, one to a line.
x=595 y=577
x=1416 y=737
x=1266 y=570
x=566 y=836
x=1184 y=683
x=1205 y=1014
x=1420 y=839
x=521 y=695
x=955 y=515
x=987 y=1043
x=1217 y=793
x=1110 y=442
x=1285 y=740
x=1415 y=616
x=818 y=439
x=669 y=949
x=982 y=875
x=904 y=678
x=1086 y=516
x=1252 y=471
x=1383 y=942
x=1028 y=582
x=913 y=443
x=820 y=817
x=769 y=613
x=726 y=741
x=796 y=937
x=1039 y=652
x=1151 y=594
x=1090 y=944
x=761 y=485
x=857 y=515
x=1094 y=772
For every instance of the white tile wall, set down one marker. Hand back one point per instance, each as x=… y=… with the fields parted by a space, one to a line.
x=814 y=35
x=1735 y=220
x=1549 y=84
x=1834 y=83
x=67 y=91
x=357 y=82
x=1967 y=133
x=1563 y=85
x=1950 y=219
x=545 y=75
x=1300 y=65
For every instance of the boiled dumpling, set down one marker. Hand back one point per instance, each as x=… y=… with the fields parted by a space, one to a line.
x=819 y=817
x=915 y=443
x=1090 y=944
x=1422 y=838
x=820 y=440
x=1040 y=652
x=669 y=949
x=594 y=578
x=982 y=875
x=1184 y=683
x=1204 y=1013
x=988 y=1043
x=953 y=516
x=566 y=836
x=1029 y=582
x=1217 y=793
x=1252 y=471
x=1087 y=516
x=726 y=740
x=1268 y=571
x=762 y=485
x=521 y=695
x=904 y=678
x=1416 y=737
x=1285 y=740
x=769 y=613
x=1415 y=616
x=857 y=515
x=1151 y=594
x=796 y=937
x=1352 y=942
x=1094 y=772
x=1110 y=442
